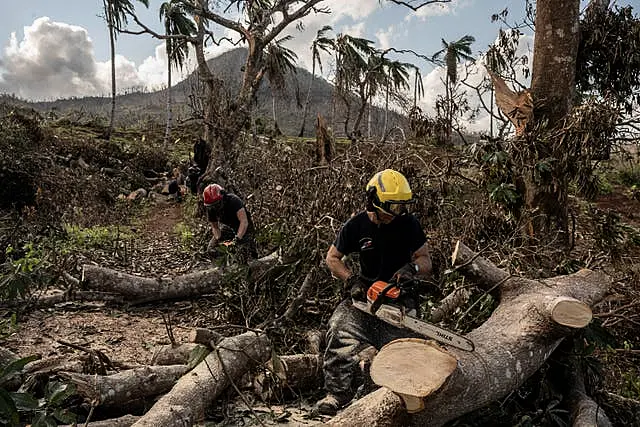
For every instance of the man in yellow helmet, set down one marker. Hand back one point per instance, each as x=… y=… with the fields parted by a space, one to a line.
x=392 y=247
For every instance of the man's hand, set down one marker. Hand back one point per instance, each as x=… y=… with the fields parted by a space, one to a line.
x=406 y=272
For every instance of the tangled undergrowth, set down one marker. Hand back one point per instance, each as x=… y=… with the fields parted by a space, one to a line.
x=298 y=207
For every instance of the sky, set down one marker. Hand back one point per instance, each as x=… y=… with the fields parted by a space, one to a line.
x=53 y=49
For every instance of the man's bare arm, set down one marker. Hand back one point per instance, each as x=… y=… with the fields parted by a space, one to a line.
x=244 y=223
x=335 y=264
x=215 y=228
x=422 y=258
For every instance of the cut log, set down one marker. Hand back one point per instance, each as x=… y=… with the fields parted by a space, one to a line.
x=531 y=320
x=397 y=363
x=173 y=354
x=120 y=388
x=144 y=289
x=205 y=336
x=297 y=372
x=381 y=408
x=186 y=402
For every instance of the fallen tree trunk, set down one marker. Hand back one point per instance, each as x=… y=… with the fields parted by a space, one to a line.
x=185 y=404
x=585 y=412
x=173 y=354
x=532 y=318
x=297 y=372
x=124 y=421
x=120 y=388
x=145 y=289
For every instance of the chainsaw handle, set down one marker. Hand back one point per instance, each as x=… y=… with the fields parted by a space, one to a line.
x=378 y=301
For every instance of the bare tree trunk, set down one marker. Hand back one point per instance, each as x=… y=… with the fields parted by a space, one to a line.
x=167 y=132
x=531 y=320
x=143 y=289
x=120 y=388
x=306 y=103
x=112 y=45
x=186 y=403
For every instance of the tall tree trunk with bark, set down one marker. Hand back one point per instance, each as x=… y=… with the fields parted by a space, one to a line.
x=553 y=88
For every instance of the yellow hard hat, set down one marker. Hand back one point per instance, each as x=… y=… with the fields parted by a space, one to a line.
x=389 y=192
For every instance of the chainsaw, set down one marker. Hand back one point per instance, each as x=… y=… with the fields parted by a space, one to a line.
x=383 y=302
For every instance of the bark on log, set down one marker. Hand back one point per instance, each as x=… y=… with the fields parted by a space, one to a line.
x=297 y=372
x=532 y=318
x=186 y=402
x=585 y=412
x=124 y=421
x=120 y=388
x=145 y=289
x=173 y=354
x=449 y=304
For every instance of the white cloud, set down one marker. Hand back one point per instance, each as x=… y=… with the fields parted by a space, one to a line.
x=438 y=9
x=53 y=60
x=385 y=37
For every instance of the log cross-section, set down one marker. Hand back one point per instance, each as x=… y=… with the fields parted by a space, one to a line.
x=531 y=320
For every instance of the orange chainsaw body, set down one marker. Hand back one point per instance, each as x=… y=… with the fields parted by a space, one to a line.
x=376 y=288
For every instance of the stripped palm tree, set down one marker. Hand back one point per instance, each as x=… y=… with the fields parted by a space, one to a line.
x=353 y=64
x=116 y=12
x=396 y=76
x=418 y=87
x=279 y=61
x=176 y=22
x=320 y=44
x=453 y=52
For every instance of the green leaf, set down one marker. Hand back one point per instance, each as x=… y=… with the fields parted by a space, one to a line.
x=8 y=409
x=25 y=401
x=64 y=416
x=14 y=367
x=43 y=420
x=58 y=392
x=197 y=355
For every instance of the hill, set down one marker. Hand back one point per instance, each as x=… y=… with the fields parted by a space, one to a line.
x=140 y=107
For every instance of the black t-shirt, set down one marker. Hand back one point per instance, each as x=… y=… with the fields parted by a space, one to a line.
x=383 y=248
x=231 y=204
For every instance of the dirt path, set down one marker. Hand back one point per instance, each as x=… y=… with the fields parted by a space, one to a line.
x=123 y=334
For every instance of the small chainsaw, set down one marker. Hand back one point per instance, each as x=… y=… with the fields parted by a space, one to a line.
x=383 y=301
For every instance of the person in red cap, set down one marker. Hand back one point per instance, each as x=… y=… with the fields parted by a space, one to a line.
x=230 y=222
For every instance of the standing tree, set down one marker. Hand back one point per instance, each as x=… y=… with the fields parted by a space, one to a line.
x=279 y=62
x=453 y=53
x=320 y=43
x=396 y=76
x=553 y=88
x=352 y=68
x=116 y=12
x=257 y=23
x=176 y=22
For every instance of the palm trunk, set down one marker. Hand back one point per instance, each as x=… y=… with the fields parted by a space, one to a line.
x=112 y=44
x=167 y=132
x=491 y=114
x=306 y=103
x=386 y=114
